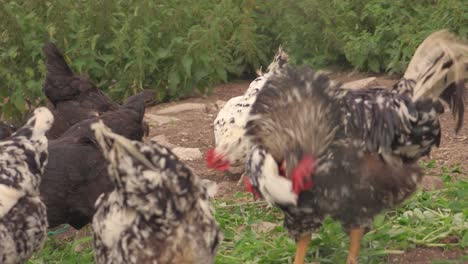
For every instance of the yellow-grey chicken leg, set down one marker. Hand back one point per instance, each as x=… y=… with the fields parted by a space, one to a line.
x=301 y=248
x=355 y=237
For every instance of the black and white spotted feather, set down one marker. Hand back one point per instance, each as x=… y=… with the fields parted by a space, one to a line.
x=405 y=121
x=159 y=211
x=23 y=219
x=231 y=119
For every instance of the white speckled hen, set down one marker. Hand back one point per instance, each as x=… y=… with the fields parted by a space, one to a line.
x=231 y=146
x=159 y=211
x=23 y=220
x=322 y=150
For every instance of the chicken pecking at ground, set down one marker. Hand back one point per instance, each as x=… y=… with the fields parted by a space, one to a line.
x=23 y=220
x=6 y=130
x=76 y=173
x=231 y=148
x=319 y=149
x=159 y=211
x=72 y=98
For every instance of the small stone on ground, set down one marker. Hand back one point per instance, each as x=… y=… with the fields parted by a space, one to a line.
x=180 y=108
x=187 y=153
x=359 y=84
x=162 y=140
x=159 y=119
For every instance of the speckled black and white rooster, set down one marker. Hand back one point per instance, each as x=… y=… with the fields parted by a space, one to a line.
x=23 y=219
x=319 y=149
x=159 y=211
x=231 y=146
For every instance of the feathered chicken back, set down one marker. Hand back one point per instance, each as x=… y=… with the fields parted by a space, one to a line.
x=23 y=220
x=158 y=203
x=288 y=109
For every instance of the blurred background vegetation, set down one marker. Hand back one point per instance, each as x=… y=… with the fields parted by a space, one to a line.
x=179 y=47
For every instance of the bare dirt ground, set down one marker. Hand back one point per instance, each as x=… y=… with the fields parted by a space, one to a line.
x=194 y=129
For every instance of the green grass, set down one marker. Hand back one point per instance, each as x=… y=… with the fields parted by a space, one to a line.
x=428 y=219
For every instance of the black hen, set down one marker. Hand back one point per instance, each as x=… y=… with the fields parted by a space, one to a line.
x=76 y=173
x=73 y=98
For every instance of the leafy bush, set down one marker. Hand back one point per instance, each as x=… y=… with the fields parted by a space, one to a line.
x=180 y=47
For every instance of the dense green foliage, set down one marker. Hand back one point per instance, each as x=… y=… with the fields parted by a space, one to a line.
x=178 y=47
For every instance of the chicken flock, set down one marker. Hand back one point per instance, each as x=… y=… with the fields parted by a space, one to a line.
x=309 y=147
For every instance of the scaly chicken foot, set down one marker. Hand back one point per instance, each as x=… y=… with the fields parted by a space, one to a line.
x=355 y=237
x=301 y=248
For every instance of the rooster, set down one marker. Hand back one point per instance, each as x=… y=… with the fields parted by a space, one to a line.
x=76 y=173
x=6 y=130
x=231 y=146
x=23 y=219
x=159 y=211
x=73 y=98
x=319 y=149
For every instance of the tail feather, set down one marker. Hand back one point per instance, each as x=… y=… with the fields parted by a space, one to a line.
x=439 y=69
x=280 y=59
x=55 y=62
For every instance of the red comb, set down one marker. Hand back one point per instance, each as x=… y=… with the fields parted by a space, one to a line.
x=216 y=161
x=302 y=174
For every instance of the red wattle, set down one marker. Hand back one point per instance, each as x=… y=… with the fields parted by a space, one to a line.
x=216 y=161
x=301 y=176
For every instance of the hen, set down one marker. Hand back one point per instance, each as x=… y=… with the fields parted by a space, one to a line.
x=6 y=130
x=73 y=98
x=23 y=219
x=319 y=149
x=77 y=172
x=159 y=211
x=231 y=147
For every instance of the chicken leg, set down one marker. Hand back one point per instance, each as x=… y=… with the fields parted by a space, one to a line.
x=355 y=236
x=301 y=248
